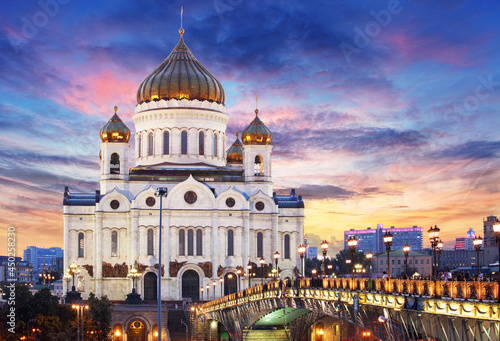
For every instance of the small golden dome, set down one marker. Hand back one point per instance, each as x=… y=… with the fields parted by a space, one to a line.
x=180 y=76
x=235 y=153
x=115 y=130
x=257 y=132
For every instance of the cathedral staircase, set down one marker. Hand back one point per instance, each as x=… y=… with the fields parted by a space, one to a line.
x=176 y=328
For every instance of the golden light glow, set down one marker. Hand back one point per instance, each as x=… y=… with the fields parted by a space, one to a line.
x=117 y=332
x=181 y=96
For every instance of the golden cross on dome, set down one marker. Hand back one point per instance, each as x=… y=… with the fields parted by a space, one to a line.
x=256 y=104
x=181 y=30
x=116 y=108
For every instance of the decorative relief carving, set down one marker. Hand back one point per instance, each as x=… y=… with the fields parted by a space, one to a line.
x=162 y=269
x=207 y=268
x=90 y=269
x=220 y=271
x=118 y=270
x=174 y=267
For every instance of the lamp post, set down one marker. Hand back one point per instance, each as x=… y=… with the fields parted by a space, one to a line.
x=302 y=253
x=214 y=284
x=496 y=230
x=238 y=284
x=134 y=273
x=79 y=316
x=324 y=249
x=276 y=257
x=478 y=243
x=249 y=268
x=67 y=278
x=352 y=242
x=221 y=280
x=369 y=257
x=208 y=292
x=73 y=268
x=406 y=251
x=330 y=267
x=262 y=261
x=388 y=243
x=229 y=277
x=383 y=319
x=348 y=262
x=202 y=294
x=434 y=238
x=439 y=248
x=160 y=192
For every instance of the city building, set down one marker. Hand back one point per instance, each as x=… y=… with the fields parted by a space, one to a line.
x=21 y=271
x=372 y=240
x=489 y=241
x=219 y=212
x=465 y=243
x=452 y=259
x=44 y=258
x=417 y=261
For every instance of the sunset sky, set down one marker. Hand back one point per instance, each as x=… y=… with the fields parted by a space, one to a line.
x=383 y=112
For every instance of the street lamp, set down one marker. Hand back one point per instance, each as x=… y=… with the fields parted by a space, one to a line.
x=276 y=257
x=406 y=251
x=330 y=267
x=134 y=273
x=369 y=257
x=352 y=242
x=496 y=230
x=388 y=243
x=238 y=286
x=214 y=284
x=324 y=248
x=434 y=238
x=439 y=248
x=262 y=261
x=160 y=192
x=302 y=253
x=73 y=268
x=313 y=272
x=67 y=278
x=79 y=315
x=249 y=268
x=478 y=243
x=221 y=284
x=229 y=277
x=208 y=292
x=383 y=319
x=348 y=263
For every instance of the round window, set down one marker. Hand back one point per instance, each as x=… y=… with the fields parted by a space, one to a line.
x=190 y=197
x=259 y=205
x=150 y=201
x=114 y=204
x=230 y=202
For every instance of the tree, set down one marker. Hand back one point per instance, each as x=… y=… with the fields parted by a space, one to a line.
x=100 y=311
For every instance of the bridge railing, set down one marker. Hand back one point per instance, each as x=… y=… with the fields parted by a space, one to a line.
x=458 y=290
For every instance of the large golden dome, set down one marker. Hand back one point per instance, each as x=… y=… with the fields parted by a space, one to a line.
x=257 y=132
x=115 y=130
x=235 y=153
x=180 y=76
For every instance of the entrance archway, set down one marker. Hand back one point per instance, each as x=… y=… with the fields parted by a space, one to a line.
x=137 y=331
x=191 y=285
x=230 y=284
x=150 y=286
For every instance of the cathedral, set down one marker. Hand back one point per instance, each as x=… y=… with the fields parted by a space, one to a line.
x=222 y=224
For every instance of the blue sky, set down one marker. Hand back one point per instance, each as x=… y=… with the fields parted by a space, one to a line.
x=382 y=111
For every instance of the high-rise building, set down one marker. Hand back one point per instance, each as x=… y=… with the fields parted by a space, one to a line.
x=465 y=243
x=372 y=240
x=489 y=234
x=51 y=258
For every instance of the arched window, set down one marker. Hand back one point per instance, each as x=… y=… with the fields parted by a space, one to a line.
x=114 y=164
x=215 y=145
x=287 y=246
x=182 y=244
x=150 y=144
x=184 y=142
x=139 y=145
x=166 y=143
x=201 y=139
x=150 y=242
x=258 y=166
x=260 y=248
x=199 y=242
x=190 y=243
x=114 y=244
x=81 y=244
x=230 y=243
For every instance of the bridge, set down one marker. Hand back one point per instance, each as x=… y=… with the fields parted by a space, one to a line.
x=409 y=310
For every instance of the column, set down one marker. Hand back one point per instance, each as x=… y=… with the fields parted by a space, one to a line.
x=98 y=253
x=245 y=240
x=274 y=236
x=166 y=245
x=215 y=247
